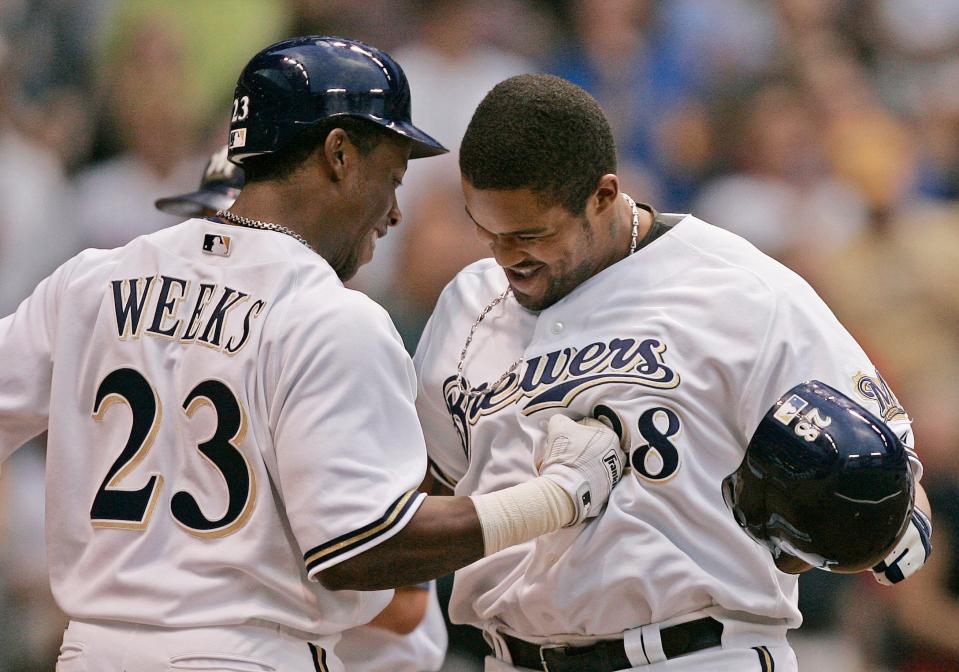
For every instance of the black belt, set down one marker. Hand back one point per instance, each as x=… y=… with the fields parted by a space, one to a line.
x=610 y=655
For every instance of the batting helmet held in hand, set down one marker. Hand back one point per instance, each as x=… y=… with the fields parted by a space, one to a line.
x=294 y=84
x=823 y=480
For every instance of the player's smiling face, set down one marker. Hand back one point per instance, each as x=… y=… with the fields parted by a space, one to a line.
x=545 y=250
x=373 y=196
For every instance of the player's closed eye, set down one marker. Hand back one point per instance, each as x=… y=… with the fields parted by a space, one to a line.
x=532 y=236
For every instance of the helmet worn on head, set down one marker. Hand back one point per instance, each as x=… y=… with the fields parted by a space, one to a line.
x=294 y=84
x=823 y=480
x=219 y=187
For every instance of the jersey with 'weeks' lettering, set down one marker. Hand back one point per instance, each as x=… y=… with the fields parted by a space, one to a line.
x=225 y=421
x=682 y=347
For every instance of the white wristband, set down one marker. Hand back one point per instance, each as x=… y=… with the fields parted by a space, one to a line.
x=523 y=512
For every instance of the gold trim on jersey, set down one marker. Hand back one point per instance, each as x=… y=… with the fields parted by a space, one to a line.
x=766 y=661
x=351 y=540
x=607 y=379
x=319 y=657
x=147 y=516
x=168 y=311
x=441 y=476
x=127 y=329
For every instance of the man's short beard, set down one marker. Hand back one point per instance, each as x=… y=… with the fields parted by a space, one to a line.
x=559 y=287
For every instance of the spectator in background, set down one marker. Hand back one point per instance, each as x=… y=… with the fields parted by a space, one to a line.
x=213 y=39
x=939 y=141
x=33 y=185
x=31 y=625
x=451 y=63
x=909 y=261
x=42 y=130
x=616 y=55
x=916 y=45
x=142 y=85
x=450 y=66
x=380 y=22
x=915 y=50
x=780 y=194
x=909 y=265
x=925 y=615
x=437 y=239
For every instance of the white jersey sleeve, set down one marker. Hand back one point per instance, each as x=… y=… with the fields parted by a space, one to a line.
x=348 y=447
x=26 y=365
x=804 y=341
x=448 y=460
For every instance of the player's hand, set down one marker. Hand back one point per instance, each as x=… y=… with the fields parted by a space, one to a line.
x=584 y=458
x=909 y=554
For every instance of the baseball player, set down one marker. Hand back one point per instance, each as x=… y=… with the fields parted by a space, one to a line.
x=678 y=334
x=233 y=449
x=409 y=635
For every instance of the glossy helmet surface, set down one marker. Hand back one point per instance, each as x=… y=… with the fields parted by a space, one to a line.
x=824 y=480
x=294 y=84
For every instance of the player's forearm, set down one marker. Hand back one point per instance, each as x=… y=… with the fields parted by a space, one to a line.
x=578 y=466
x=444 y=535
x=450 y=532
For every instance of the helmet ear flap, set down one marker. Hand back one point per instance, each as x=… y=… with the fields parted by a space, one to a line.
x=823 y=480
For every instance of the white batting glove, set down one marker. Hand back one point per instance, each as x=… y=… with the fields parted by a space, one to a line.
x=909 y=554
x=584 y=458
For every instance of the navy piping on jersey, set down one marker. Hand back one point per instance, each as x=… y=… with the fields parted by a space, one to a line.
x=349 y=541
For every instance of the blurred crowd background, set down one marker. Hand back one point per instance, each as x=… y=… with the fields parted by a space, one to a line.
x=824 y=131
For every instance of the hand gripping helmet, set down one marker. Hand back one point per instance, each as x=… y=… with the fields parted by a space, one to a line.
x=823 y=480
x=294 y=84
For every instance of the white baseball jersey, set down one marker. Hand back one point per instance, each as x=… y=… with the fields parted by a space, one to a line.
x=368 y=648
x=684 y=346
x=225 y=420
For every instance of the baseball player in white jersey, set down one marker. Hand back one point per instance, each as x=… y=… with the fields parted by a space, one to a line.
x=681 y=336
x=233 y=450
x=410 y=634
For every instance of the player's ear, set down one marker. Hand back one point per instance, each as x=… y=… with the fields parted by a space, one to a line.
x=607 y=191
x=337 y=154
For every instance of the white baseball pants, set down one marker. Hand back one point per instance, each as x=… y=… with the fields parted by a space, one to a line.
x=121 y=647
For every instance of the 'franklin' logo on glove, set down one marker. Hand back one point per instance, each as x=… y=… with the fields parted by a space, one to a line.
x=613 y=466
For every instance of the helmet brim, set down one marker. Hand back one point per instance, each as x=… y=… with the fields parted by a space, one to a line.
x=424 y=145
x=195 y=203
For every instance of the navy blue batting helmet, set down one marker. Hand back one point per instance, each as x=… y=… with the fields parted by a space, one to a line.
x=824 y=480
x=297 y=83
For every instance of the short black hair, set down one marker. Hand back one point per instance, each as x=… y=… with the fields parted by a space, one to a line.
x=542 y=133
x=279 y=165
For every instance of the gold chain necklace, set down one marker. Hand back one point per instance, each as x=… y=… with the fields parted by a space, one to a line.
x=480 y=389
x=239 y=220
